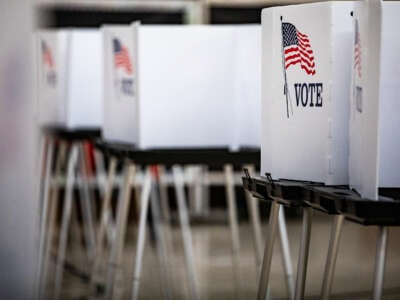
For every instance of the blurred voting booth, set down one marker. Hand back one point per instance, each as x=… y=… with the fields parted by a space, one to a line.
x=69 y=77
x=374 y=120
x=182 y=86
x=306 y=65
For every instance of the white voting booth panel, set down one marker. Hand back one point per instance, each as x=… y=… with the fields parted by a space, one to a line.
x=374 y=119
x=305 y=130
x=247 y=87
x=70 y=78
x=183 y=85
x=50 y=74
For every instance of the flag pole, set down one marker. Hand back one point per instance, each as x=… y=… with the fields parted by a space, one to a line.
x=285 y=88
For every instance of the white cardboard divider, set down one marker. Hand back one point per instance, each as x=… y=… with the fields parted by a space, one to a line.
x=305 y=130
x=50 y=72
x=374 y=119
x=69 y=78
x=186 y=83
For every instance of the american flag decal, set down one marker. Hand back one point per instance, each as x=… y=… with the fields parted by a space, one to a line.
x=47 y=57
x=357 y=50
x=297 y=49
x=121 y=57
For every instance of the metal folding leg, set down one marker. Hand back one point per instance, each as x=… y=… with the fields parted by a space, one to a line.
x=233 y=223
x=160 y=242
x=268 y=251
x=72 y=163
x=121 y=223
x=379 y=272
x=86 y=206
x=166 y=218
x=52 y=219
x=102 y=186
x=332 y=256
x=105 y=214
x=286 y=258
x=303 y=254
x=164 y=195
x=144 y=200
x=185 y=228
x=44 y=209
x=252 y=206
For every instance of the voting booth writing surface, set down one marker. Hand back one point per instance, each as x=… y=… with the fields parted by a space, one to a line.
x=70 y=78
x=185 y=86
x=306 y=67
x=374 y=121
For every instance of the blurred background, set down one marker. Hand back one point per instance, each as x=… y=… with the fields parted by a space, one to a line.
x=20 y=179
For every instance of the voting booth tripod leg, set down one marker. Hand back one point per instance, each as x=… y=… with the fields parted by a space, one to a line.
x=62 y=149
x=205 y=185
x=263 y=282
x=102 y=186
x=86 y=205
x=185 y=229
x=117 y=248
x=379 y=272
x=332 y=256
x=252 y=207
x=160 y=241
x=44 y=210
x=104 y=215
x=166 y=218
x=144 y=200
x=286 y=258
x=164 y=195
x=66 y=217
x=303 y=254
x=233 y=223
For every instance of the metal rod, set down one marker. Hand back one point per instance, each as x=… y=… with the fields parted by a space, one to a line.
x=252 y=206
x=333 y=249
x=52 y=219
x=234 y=227
x=144 y=199
x=160 y=242
x=303 y=254
x=286 y=257
x=185 y=229
x=379 y=272
x=121 y=219
x=86 y=206
x=105 y=214
x=72 y=163
x=44 y=210
x=268 y=251
x=164 y=195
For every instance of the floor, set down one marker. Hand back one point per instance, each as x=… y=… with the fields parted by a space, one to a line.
x=215 y=276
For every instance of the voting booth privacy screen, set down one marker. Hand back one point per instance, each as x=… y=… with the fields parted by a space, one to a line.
x=374 y=118
x=69 y=78
x=306 y=72
x=182 y=86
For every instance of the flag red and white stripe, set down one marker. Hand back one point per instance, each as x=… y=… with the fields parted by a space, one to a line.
x=297 y=49
x=121 y=57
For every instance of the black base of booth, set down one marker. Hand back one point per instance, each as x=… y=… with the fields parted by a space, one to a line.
x=327 y=199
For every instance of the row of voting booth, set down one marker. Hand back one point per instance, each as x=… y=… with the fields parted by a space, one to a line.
x=161 y=95
x=315 y=85
x=106 y=78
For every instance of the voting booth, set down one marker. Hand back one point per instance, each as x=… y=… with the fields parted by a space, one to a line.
x=182 y=86
x=306 y=67
x=374 y=120
x=69 y=78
